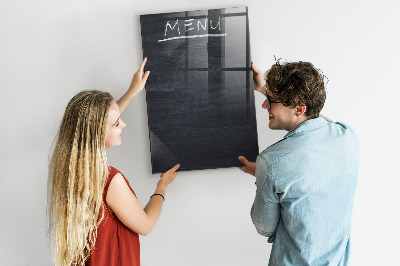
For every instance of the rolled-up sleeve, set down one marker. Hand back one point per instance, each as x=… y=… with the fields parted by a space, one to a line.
x=266 y=211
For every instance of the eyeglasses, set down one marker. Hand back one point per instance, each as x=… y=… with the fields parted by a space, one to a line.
x=270 y=101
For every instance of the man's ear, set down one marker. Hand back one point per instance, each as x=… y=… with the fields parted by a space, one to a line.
x=300 y=110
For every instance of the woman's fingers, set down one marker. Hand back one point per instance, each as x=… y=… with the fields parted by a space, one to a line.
x=141 y=68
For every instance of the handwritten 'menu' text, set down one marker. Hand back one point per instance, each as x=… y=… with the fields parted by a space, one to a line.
x=198 y=25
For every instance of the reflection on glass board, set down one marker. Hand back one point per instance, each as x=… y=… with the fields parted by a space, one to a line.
x=200 y=98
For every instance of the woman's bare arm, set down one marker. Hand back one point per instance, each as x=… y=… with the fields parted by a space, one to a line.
x=127 y=208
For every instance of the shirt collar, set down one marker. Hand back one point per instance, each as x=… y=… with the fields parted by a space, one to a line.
x=307 y=125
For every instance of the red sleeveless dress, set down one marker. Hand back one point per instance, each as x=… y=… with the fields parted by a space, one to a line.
x=116 y=244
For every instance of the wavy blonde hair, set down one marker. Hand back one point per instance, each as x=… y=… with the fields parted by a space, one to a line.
x=78 y=171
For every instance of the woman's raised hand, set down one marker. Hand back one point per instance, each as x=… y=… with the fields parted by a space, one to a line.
x=139 y=79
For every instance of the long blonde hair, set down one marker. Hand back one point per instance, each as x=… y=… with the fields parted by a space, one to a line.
x=78 y=171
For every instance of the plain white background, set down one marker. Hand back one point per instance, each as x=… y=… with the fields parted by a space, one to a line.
x=51 y=49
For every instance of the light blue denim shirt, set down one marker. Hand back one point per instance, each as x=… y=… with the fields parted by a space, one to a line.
x=305 y=189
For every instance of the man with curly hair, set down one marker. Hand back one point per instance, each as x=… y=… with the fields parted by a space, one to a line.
x=306 y=181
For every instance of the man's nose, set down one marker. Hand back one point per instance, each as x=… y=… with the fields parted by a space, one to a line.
x=265 y=104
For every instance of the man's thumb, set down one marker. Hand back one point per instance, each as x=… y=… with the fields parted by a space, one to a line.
x=243 y=160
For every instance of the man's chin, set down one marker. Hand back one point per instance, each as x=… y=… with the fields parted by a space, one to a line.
x=271 y=125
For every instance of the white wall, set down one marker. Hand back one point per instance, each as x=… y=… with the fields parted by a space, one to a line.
x=49 y=50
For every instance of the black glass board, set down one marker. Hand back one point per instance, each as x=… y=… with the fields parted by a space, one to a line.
x=200 y=97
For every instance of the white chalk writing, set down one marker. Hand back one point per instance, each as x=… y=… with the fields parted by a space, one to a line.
x=190 y=25
x=218 y=24
x=192 y=36
x=172 y=28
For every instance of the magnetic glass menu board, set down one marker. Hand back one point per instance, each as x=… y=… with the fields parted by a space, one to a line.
x=200 y=97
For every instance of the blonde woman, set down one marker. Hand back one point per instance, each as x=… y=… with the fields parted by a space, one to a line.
x=95 y=217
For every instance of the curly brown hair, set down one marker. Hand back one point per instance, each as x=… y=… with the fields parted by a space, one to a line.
x=298 y=83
